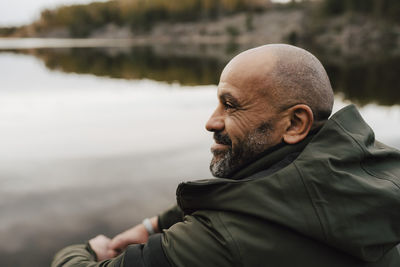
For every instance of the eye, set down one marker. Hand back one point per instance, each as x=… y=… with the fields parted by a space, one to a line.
x=228 y=105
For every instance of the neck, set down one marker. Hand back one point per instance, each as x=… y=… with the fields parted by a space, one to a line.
x=281 y=153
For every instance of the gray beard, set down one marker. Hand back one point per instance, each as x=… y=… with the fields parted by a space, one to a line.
x=227 y=163
x=222 y=167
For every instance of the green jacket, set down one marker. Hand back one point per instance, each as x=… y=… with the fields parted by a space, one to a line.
x=331 y=200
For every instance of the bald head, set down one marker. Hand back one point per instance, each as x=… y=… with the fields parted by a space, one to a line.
x=269 y=95
x=287 y=75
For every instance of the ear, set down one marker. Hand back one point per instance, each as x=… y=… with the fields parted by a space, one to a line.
x=301 y=120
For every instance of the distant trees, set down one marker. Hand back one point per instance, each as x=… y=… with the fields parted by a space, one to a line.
x=6 y=31
x=389 y=9
x=81 y=19
x=140 y=15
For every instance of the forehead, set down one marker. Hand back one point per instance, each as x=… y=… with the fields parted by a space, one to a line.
x=227 y=90
x=234 y=86
x=248 y=73
x=241 y=97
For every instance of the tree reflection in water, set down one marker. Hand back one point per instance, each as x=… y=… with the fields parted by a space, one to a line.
x=373 y=79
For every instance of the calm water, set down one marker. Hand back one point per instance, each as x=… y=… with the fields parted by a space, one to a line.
x=95 y=139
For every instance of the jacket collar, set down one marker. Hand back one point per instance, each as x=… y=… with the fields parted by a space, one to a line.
x=274 y=158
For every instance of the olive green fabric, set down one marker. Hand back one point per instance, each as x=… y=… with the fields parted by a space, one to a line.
x=150 y=254
x=336 y=204
x=81 y=255
x=170 y=217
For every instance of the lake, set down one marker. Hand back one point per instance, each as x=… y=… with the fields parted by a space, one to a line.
x=95 y=138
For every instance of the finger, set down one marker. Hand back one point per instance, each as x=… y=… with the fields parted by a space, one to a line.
x=99 y=239
x=112 y=253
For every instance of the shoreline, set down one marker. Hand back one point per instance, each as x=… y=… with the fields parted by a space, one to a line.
x=348 y=35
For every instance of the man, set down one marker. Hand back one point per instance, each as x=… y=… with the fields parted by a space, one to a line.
x=295 y=188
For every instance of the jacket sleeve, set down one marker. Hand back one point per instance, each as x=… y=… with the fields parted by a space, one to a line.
x=150 y=254
x=170 y=217
x=200 y=240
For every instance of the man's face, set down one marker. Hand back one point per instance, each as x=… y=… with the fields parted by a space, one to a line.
x=244 y=124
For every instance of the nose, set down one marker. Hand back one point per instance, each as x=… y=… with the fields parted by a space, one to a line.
x=215 y=123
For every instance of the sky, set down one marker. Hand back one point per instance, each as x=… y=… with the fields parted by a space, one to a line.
x=20 y=12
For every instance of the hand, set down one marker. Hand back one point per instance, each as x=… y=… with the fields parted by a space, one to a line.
x=100 y=245
x=135 y=235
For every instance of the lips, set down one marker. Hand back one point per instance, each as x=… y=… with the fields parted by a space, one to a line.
x=215 y=148
x=222 y=142
x=222 y=139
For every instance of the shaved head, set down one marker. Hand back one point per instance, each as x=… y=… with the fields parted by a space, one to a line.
x=287 y=74
x=268 y=96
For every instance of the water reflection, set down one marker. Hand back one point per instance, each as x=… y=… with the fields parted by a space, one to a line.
x=373 y=80
x=133 y=63
x=76 y=147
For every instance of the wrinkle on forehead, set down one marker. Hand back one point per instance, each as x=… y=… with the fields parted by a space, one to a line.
x=250 y=72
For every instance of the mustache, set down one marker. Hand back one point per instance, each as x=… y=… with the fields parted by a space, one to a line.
x=222 y=139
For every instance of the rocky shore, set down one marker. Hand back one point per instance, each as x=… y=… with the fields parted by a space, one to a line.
x=348 y=35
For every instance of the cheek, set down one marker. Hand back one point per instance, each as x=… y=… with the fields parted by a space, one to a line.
x=237 y=128
x=277 y=131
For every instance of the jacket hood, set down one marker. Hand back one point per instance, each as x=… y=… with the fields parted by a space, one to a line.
x=343 y=189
